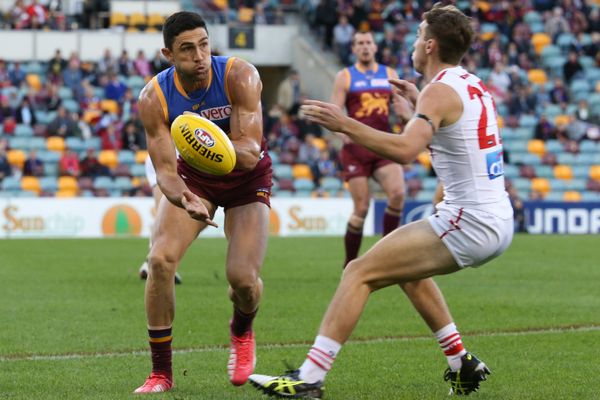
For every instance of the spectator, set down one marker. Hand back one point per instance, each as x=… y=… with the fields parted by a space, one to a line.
x=544 y=130
x=68 y=164
x=38 y=15
x=111 y=139
x=158 y=63
x=326 y=165
x=126 y=67
x=91 y=167
x=133 y=138
x=310 y=154
x=56 y=66
x=81 y=129
x=33 y=165
x=325 y=20
x=357 y=14
x=129 y=106
x=61 y=125
x=142 y=65
x=555 y=23
x=16 y=75
x=583 y=113
x=114 y=89
x=5 y=168
x=73 y=76
x=25 y=113
x=107 y=63
x=6 y=111
x=572 y=67
x=19 y=16
x=342 y=34
x=285 y=134
x=559 y=94
x=499 y=81
x=289 y=91
x=4 y=75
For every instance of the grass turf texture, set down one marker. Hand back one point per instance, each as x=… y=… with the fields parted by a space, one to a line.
x=74 y=324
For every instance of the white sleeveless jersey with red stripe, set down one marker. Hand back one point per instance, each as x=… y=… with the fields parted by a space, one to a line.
x=467 y=155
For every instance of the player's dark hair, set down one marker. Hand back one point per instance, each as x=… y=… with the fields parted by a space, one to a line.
x=451 y=29
x=180 y=22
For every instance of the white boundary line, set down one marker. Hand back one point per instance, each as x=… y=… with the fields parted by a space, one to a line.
x=210 y=349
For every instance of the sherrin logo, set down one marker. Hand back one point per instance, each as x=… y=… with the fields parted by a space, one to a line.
x=204 y=137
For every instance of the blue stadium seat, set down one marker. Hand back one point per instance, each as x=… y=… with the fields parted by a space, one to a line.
x=49 y=156
x=586 y=159
x=587 y=62
x=103 y=182
x=508 y=134
x=138 y=170
x=304 y=185
x=580 y=85
x=565 y=40
x=511 y=171
x=544 y=171
x=18 y=142
x=33 y=68
x=48 y=183
x=37 y=143
x=330 y=183
x=590 y=196
x=122 y=183
x=532 y=17
x=23 y=130
x=135 y=81
x=283 y=171
x=576 y=184
x=425 y=195
x=554 y=146
x=580 y=171
x=430 y=183
x=515 y=146
x=51 y=168
x=76 y=144
x=126 y=157
x=65 y=92
x=70 y=105
x=521 y=183
x=558 y=185
x=566 y=158
x=551 y=51
x=283 y=193
x=44 y=117
x=525 y=132
x=274 y=157
x=554 y=195
x=11 y=184
x=93 y=143
x=587 y=146
x=7 y=194
x=528 y=121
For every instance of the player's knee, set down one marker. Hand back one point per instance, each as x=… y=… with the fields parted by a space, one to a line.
x=241 y=279
x=161 y=266
x=361 y=209
x=396 y=198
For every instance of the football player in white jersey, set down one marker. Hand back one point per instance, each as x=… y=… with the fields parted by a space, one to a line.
x=454 y=116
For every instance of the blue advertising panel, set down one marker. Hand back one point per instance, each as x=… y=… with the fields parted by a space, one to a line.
x=542 y=217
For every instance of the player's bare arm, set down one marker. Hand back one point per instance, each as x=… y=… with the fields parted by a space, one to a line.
x=437 y=102
x=246 y=123
x=162 y=153
x=338 y=96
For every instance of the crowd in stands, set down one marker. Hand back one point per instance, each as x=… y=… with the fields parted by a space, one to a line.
x=539 y=58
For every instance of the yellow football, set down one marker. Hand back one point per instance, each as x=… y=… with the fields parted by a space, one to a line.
x=202 y=144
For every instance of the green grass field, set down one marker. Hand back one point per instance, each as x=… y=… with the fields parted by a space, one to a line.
x=72 y=323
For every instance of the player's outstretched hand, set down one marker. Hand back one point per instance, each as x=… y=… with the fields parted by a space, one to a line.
x=327 y=115
x=405 y=89
x=196 y=208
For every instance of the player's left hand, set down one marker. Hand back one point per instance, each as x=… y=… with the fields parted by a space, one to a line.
x=401 y=106
x=327 y=115
x=195 y=208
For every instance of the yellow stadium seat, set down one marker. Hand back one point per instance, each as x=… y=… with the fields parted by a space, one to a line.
x=563 y=172
x=136 y=181
x=90 y=115
x=487 y=36
x=541 y=185
x=320 y=144
x=67 y=183
x=572 y=195
x=117 y=18
x=34 y=81
x=301 y=171
x=424 y=159
x=221 y=4
x=66 y=193
x=537 y=76
x=155 y=20
x=245 y=14
x=595 y=172
x=561 y=120
x=31 y=183
x=108 y=158
x=598 y=86
x=138 y=19
x=110 y=106
x=500 y=122
x=536 y=146
x=140 y=156
x=16 y=157
x=55 y=143
x=151 y=30
x=539 y=41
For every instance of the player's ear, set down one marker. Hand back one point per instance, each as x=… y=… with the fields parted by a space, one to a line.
x=167 y=53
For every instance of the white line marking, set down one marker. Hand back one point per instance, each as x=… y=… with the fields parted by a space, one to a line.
x=210 y=349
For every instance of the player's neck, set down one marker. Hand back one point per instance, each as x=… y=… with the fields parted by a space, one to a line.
x=366 y=66
x=191 y=85
x=435 y=68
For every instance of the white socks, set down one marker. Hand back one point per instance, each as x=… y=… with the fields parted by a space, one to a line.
x=451 y=343
x=319 y=359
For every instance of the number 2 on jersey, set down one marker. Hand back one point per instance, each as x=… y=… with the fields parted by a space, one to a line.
x=485 y=141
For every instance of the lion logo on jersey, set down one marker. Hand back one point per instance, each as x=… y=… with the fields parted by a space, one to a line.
x=372 y=103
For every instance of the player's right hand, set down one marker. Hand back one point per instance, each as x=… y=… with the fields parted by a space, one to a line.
x=405 y=89
x=196 y=208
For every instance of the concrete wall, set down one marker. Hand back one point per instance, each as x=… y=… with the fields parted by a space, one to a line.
x=273 y=44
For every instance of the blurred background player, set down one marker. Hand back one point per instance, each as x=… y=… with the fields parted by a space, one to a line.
x=229 y=90
x=455 y=119
x=363 y=89
x=156 y=195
